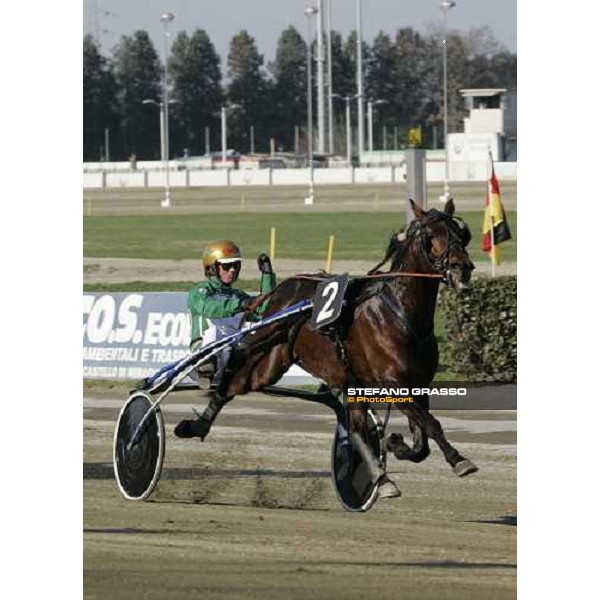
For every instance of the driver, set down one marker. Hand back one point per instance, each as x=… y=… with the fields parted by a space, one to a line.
x=216 y=311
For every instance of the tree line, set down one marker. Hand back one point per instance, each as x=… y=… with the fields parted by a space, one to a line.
x=404 y=70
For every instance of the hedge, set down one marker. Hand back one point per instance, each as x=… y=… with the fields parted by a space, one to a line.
x=481 y=326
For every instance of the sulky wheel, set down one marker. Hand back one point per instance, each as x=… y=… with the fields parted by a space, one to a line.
x=351 y=477
x=138 y=462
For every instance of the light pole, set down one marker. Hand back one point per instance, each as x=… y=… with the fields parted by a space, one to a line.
x=224 y=131
x=359 y=79
x=329 y=79
x=370 y=105
x=320 y=81
x=445 y=6
x=310 y=12
x=161 y=112
x=347 y=99
x=162 y=124
x=165 y=19
x=223 y=135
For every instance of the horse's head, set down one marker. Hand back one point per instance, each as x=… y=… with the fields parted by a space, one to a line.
x=441 y=240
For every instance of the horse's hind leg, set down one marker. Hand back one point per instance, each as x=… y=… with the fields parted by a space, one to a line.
x=215 y=406
x=420 y=449
x=433 y=429
x=200 y=427
x=402 y=451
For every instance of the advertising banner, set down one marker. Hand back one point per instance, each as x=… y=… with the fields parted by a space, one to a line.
x=133 y=335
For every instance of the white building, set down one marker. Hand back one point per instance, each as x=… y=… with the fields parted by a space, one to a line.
x=490 y=127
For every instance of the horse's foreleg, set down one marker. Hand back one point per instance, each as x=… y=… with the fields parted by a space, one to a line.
x=214 y=407
x=432 y=428
x=212 y=410
x=420 y=449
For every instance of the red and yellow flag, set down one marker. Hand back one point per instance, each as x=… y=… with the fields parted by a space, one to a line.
x=495 y=225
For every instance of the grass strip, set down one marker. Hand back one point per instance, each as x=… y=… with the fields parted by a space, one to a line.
x=299 y=235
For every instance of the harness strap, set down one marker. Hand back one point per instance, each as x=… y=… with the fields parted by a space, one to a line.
x=376 y=276
x=334 y=334
x=260 y=299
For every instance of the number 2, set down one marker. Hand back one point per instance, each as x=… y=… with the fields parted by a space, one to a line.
x=330 y=290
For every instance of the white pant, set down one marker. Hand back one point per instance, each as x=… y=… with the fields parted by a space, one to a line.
x=220 y=328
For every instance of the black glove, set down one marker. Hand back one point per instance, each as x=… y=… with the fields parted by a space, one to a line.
x=264 y=264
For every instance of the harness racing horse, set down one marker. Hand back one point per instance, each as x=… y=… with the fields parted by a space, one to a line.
x=384 y=334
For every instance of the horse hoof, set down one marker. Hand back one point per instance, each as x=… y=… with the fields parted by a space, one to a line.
x=388 y=489
x=464 y=468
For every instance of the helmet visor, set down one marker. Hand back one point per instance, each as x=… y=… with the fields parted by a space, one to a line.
x=226 y=261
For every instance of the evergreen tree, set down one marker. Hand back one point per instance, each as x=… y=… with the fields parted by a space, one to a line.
x=250 y=90
x=138 y=74
x=343 y=72
x=347 y=76
x=289 y=72
x=350 y=62
x=406 y=70
x=196 y=78
x=99 y=102
x=379 y=83
x=380 y=69
x=413 y=71
x=343 y=82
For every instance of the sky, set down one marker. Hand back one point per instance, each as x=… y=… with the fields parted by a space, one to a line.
x=266 y=19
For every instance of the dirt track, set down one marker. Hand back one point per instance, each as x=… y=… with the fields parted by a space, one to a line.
x=252 y=513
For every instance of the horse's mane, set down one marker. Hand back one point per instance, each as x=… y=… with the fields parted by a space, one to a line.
x=398 y=248
x=396 y=251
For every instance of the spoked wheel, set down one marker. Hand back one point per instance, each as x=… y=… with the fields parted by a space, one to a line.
x=351 y=475
x=138 y=465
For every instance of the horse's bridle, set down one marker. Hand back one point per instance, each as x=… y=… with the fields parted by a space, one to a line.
x=458 y=238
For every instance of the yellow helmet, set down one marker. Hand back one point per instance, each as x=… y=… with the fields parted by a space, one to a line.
x=222 y=251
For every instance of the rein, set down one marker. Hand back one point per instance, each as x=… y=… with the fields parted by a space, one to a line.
x=377 y=276
x=260 y=299
x=416 y=231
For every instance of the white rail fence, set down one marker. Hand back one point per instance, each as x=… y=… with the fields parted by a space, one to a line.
x=151 y=174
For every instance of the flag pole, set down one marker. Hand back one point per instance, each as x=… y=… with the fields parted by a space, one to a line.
x=493 y=252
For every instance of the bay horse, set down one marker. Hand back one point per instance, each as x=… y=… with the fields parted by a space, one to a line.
x=385 y=333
